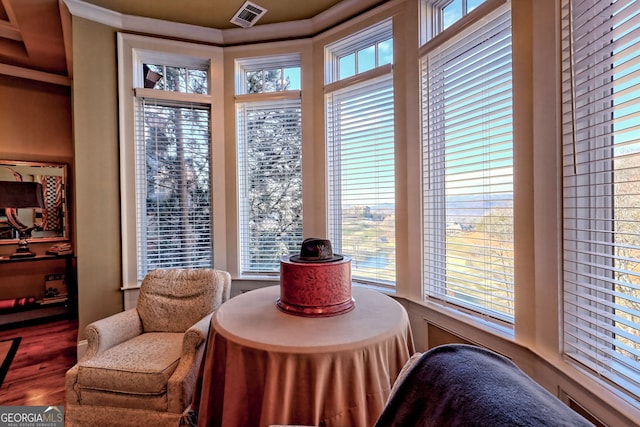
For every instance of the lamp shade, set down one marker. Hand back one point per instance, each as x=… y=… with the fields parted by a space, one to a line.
x=17 y=194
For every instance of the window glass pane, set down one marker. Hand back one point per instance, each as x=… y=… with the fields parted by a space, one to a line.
x=347 y=66
x=451 y=13
x=360 y=138
x=292 y=78
x=254 y=81
x=385 y=52
x=472 y=4
x=174 y=79
x=272 y=80
x=445 y=14
x=366 y=59
x=173 y=186
x=270 y=172
x=360 y=52
x=197 y=81
x=468 y=175
x=177 y=79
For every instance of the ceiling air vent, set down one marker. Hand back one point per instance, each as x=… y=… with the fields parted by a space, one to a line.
x=248 y=14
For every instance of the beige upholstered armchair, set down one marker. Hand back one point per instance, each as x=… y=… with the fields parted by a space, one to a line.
x=141 y=365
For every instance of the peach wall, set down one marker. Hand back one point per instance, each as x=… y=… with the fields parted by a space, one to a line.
x=35 y=120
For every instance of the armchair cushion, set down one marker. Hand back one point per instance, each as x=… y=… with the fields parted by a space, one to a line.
x=141 y=365
x=172 y=300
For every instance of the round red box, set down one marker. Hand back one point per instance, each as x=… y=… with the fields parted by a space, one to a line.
x=315 y=289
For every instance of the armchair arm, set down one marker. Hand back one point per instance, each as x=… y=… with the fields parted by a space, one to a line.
x=110 y=331
x=179 y=390
x=102 y=335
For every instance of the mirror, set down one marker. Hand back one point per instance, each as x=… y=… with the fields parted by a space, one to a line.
x=50 y=223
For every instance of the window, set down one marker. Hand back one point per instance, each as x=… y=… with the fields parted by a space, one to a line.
x=360 y=152
x=364 y=51
x=467 y=147
x=172 y=173
x=438 y=15
x=166 y=155
x=601 y=168
x=269 y=135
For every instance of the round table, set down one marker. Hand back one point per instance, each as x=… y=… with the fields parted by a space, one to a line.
x=263 y=366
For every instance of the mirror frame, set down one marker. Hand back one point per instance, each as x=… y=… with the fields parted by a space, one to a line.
x=27 y=169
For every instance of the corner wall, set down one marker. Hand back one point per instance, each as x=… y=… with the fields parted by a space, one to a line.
x=97 y=171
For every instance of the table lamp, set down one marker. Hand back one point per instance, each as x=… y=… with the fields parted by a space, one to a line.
x=20 y=195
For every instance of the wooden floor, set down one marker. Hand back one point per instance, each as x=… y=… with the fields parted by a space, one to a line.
x=46 y=352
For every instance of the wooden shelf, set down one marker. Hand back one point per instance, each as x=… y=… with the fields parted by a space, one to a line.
x=8 y=259
x=37 y=311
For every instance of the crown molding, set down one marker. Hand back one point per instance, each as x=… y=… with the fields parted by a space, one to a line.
x=335 y=15
x=171 y=29
x=142 y=24
x=94 y=13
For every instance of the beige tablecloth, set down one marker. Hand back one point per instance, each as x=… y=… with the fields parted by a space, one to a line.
x=266 y=367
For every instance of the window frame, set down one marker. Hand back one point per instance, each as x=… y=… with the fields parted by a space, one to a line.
x=245 y=100
x=436 y=293
x=242 y=64
x=372 y=35
x=133 y=51
x=431 y=17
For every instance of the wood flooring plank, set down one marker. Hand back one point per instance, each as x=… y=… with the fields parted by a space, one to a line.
x=46 y=352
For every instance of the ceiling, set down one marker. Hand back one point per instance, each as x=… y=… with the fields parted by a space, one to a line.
x=31 y=35
x=34 y=33
x=215 y=13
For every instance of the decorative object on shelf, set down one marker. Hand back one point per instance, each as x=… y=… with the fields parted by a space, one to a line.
x=315 y=283
x=60 y=249
x=16 y=195
x=14 y=304
x=55 y=287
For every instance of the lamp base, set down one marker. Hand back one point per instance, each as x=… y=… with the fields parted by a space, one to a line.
x=23 y=246
x=22 y=255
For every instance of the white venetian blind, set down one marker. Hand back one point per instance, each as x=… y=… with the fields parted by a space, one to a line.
x=361 y=181
x=468 y=168
x=174 y=222
x=270 y=182
x=601 y=169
